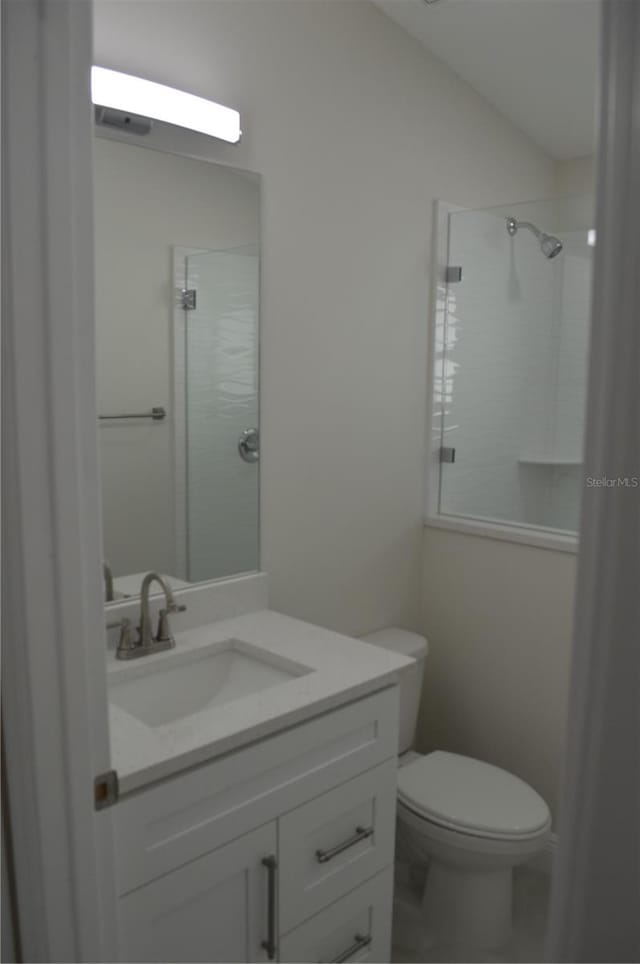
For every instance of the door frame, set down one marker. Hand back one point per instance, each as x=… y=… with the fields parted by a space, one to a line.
x=54 y=704
x=594 y=911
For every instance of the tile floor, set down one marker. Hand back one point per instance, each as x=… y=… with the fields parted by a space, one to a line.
x=526 y=946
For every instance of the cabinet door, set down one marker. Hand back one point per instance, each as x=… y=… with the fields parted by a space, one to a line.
x=355 y=928
x=213 y=909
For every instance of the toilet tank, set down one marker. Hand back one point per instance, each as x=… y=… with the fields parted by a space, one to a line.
x=415 y=646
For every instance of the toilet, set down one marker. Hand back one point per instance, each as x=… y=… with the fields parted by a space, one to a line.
x=469 y=822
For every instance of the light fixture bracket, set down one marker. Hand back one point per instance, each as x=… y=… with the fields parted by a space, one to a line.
x=135 y=123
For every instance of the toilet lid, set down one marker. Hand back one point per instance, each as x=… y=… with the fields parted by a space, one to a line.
x=457 y=791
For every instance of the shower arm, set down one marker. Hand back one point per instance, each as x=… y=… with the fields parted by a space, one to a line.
x=513 y=226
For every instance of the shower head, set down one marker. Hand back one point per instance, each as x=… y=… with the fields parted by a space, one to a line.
x=549 y=245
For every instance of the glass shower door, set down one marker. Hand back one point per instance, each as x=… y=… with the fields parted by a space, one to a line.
x=514 y=331
x=222 y=413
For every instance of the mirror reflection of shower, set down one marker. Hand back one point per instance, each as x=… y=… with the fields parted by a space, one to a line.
x=549 y=245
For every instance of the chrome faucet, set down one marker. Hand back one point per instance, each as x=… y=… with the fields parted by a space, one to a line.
x=163 y=639
x=147 y=643
x=107 y=573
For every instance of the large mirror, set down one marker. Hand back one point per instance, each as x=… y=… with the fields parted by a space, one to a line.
x=177 y=333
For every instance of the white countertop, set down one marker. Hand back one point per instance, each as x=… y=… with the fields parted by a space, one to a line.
x=342 y=669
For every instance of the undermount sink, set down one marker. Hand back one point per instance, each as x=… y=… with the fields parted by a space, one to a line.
x=179 y=685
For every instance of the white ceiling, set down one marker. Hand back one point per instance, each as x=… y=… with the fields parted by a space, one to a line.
x=536 y=61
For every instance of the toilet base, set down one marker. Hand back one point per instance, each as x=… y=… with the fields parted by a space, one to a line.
x=468 y=907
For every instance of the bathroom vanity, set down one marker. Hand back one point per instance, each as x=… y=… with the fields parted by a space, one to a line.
x=257 y=769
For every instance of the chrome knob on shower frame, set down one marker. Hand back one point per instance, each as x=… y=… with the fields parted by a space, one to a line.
x=249 y=445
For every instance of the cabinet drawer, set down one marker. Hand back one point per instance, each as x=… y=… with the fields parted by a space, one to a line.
x=167 y=825
x=356 y=928
x=336 y=842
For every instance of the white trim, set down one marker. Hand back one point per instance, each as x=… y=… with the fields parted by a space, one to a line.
x=491 y=529
x=594 y=903
x=54 y=704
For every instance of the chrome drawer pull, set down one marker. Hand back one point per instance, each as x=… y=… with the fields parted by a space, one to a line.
x=269 y=945
x=361 y=834
x=359 y=943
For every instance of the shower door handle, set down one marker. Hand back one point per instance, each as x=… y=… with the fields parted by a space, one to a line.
x=249 y=445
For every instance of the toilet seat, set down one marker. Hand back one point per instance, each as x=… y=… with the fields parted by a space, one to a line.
x=471 y=797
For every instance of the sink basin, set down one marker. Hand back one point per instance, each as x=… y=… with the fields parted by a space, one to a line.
x=178 y=685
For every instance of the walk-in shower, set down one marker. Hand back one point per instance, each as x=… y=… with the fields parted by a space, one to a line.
x=549 y=245
x=510 y=345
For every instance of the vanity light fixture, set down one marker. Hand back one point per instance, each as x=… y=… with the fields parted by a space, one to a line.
x=144 y=98
x=591 y=237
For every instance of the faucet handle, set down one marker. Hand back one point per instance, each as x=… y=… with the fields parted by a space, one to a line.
x=164 y=634
x=127 y=646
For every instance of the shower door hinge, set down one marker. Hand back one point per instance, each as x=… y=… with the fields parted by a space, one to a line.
x=453 y=273
x=188 y=299
x=447 y=454
x=105 y=790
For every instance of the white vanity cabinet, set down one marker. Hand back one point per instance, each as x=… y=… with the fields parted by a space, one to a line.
x=282 y=850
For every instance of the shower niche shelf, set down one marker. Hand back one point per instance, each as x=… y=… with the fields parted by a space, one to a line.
x=552 y=461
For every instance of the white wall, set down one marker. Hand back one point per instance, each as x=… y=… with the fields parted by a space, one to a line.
x=576 y=176
x=498 y=617
x=146 y=202
x=356 y=130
